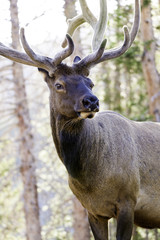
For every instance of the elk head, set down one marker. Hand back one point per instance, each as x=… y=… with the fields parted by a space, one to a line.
x=70 y=88
x=71 y=93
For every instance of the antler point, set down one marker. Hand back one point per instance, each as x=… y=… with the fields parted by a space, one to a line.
x=104 y=43
x=51 y=73
x=68 y=36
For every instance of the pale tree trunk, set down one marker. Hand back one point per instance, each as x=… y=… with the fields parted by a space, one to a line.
x=147 y=235
x=80 y=219
x=156 y=234
x=112 y=229
x=81 y=228
x=128 y=93
x=148 y=61
x=135 y=233
x=26 y=145
x=105 y=72
x=117 y=90
x=117 y=83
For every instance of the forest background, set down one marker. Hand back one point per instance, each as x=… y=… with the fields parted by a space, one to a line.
x=35 y=200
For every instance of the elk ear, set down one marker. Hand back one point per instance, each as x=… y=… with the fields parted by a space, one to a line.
x=76 y=59
x=44 y=73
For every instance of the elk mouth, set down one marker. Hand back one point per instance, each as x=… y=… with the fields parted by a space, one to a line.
x=84 y=115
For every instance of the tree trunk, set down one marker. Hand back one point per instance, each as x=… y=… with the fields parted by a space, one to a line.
x=147 y=235
x=117 y=83
x=81 y=228
x=156 y=234
x=80 y=219
x=26 y=145
x=148 y=61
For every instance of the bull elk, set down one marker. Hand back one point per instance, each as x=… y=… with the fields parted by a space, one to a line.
x=113 y=163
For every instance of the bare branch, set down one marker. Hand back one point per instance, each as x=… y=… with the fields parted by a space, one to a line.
x=155 y=96
x=7 y=128
x=4 y=68
x=35 y=18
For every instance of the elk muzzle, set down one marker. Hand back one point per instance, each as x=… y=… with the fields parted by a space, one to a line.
x=91 y=103
x=89 y=106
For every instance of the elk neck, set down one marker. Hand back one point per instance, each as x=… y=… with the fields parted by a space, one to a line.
x=74 y=141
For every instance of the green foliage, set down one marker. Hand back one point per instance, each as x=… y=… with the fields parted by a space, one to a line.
x=125 y=88
x=131 y=60
x=137 y=235
x=158 y=27
x=147 y=44
x=11 y=210
x=146 y=3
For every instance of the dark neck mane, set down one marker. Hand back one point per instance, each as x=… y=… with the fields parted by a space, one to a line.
x=67 y=136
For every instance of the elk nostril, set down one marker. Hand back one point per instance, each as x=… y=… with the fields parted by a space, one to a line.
x=97 y=103
x=91 y=103
x=86 y=103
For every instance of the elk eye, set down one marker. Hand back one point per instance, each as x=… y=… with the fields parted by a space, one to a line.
x=91 y=85
x=59 y=86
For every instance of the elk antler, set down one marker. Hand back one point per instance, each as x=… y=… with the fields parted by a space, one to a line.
x=33 y=59
x=115 y=52
x=98 y=26
x=93 y=57
x=128 y=37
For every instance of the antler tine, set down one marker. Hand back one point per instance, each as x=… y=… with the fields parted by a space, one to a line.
x=40 y=61
x=16 y=56
x=47 y=63
x=99 y=55
x=92 y=58
x=116 y=52
x=66 y=52
x=32 y=59
x=73 y=24
x=100 y=26
x=128 y=37
x=87 y=14
x=135 y=26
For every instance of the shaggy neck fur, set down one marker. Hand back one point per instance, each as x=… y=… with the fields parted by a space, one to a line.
x=70 y=137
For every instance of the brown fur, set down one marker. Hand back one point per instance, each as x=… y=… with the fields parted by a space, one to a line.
x=113 y=163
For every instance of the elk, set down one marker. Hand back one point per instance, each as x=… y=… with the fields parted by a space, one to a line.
x=113 y=163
